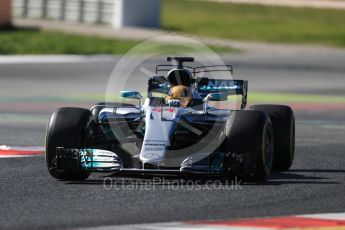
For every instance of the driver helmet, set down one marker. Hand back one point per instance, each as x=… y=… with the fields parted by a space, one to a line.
x=180 y=81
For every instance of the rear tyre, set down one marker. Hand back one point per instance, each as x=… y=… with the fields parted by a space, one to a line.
x=283 y=121
x=67 y=128
x=251 y=133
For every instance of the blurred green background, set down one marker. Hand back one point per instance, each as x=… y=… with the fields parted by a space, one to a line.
x=245 y=22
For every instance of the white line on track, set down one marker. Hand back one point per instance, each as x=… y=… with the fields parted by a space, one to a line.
x=32 y=59
x=22 y=148
x=327 y=216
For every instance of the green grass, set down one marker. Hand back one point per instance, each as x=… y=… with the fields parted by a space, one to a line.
x=256 y=22
x=47 y=42
x=263 y=97
x=42 y=42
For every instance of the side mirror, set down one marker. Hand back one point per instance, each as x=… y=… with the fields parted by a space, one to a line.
x=217 y=96
x=131 y=95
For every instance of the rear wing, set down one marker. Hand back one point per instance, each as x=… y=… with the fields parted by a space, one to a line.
x=230 y=87
x=159 y=84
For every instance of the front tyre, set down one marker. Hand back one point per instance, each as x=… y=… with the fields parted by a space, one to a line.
x=67 y=128
x=250 y=133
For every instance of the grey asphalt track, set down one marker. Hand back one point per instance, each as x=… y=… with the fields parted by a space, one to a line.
x=31 y=199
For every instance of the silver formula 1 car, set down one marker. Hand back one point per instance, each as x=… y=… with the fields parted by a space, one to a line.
x=175 y=131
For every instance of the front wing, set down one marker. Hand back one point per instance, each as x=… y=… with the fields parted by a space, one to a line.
x=97 y=160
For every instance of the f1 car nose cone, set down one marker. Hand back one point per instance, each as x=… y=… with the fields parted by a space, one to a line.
x=157 y=137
